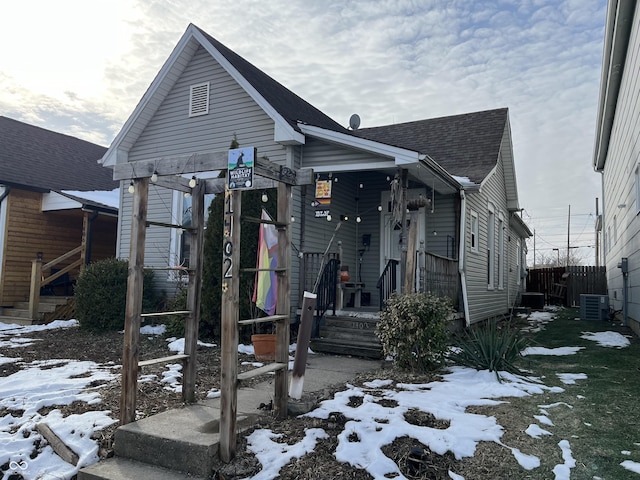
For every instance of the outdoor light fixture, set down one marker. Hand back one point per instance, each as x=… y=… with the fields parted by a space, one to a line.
x=154 y=177
x=329 y=218
x=344 y=218
x=358 y=219
x=187 y=194
x=192 y=182
x=264 y=197
x=131 y=187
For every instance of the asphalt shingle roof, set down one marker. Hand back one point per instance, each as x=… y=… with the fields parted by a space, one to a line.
x=38 y=158
x=288 y=104
x=464 y=145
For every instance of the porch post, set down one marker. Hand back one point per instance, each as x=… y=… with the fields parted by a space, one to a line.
x=403 y=232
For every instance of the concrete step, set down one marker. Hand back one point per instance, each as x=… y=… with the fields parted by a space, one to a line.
x=124 y=469
x=349 y=335
x=185 y=439
x=347 y=347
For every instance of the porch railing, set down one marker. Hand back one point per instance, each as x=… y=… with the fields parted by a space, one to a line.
x=441 y=277
x=388 y=281
x=38 y=280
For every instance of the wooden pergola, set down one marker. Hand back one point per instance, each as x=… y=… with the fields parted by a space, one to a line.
x=167 y=173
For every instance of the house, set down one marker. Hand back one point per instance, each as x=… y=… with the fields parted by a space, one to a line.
x=55 y=203
x=616 y=158
x=463 y=234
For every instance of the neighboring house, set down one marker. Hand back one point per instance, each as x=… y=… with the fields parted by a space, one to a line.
x=617 y=158
x=469 y=237
x=54 y=198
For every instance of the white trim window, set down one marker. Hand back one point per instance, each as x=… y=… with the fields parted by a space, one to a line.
x=518 y=258
x=500 y=250
x=474 y=237
x=491 y=248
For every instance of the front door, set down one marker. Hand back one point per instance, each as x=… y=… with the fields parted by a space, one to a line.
x=391 y=232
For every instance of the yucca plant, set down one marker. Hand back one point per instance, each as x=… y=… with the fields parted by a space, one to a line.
x=489 y=348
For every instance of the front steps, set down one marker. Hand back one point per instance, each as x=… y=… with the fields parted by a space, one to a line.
x=176 y=444
x=50 y=308
x=349 y=333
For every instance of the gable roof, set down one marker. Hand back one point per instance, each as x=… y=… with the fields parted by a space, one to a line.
x=37 y=158
x=465 y=145
x=281 y=104
x=292 y=108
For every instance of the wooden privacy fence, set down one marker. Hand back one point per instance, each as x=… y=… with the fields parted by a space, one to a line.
x=580 y=280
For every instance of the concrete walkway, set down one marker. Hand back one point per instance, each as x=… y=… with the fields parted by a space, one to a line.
x=186 y=439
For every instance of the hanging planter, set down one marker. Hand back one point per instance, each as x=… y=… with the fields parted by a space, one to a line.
x=264 y=346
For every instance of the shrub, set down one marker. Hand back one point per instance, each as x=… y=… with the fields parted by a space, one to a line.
x=490 y=348
x=175 y=323
x=413 y=330
x=101 y=295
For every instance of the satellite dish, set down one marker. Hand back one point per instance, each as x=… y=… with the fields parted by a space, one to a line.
x=354 y=121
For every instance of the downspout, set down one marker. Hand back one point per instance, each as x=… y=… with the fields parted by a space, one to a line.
x=4 y=194
x=461 y=259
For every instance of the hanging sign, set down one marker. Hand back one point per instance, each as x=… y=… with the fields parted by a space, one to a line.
x=323 y=198
x=240 y=166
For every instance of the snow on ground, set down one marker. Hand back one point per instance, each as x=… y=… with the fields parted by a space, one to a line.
x=374 y=420
x=550 y=351
x=607 y=339
x=49 y=384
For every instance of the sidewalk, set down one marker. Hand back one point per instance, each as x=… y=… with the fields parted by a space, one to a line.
x=323 y=371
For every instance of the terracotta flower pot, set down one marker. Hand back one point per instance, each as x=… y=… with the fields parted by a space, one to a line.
x=344 y=274
x=264 y=346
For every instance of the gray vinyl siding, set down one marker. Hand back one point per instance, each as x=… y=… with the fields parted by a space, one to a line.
x=487 y=303
x=442 y=226
x=619 y=186
x=317 y=153
x=172 y=132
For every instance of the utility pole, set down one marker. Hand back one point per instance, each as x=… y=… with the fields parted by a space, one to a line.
x=534 y=248
x=568 y=233
x=597 y=238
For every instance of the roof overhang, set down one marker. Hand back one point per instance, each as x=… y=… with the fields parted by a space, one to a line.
x=518 y=225
x=616 y=41
x=421 y=166
x=100 y=202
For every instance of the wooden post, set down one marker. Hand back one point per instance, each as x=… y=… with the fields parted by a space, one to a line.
x=230 y=298
x=34 y=289
x=130 y=350
x=85 y=237
x=403 y=230
x=409 y=280
x=193 y=293
x=283 y=304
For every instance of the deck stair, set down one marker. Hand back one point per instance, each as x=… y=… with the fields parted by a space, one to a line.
x=50 y=308
x=349 y=333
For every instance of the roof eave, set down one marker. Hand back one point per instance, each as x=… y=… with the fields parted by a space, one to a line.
x=618 y=30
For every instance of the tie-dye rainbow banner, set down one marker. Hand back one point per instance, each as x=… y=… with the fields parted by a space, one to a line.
x=265 y=291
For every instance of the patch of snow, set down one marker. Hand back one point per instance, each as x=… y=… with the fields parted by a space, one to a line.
x=563 y=470
x=528 y=462
x=556 y=404
x=177 y=345
x=607 y=339
x=455 y=476
x=153 y=329
x=544 y=420
x=274 y=455
x=570 y=378
x=632 y=466
x=172 y=376
x=535 y=431
x=214 y=394
x=560 y=351
x=625 y=452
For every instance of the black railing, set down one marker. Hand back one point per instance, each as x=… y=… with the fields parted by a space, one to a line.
x=327 y=290
x=388 y=281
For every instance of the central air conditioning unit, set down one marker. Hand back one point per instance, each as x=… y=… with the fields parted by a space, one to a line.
x=594 y=307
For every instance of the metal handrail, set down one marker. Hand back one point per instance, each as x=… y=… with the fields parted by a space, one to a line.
x=388 y=282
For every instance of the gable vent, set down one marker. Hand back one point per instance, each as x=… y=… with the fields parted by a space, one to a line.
x=199 y=99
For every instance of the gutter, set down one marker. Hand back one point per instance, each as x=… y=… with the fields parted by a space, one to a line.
x=618 y=31
x=461 y=259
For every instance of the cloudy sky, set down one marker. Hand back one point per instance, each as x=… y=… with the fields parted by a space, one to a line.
x=80 y=67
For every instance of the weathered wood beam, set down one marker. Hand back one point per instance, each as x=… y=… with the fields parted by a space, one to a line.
x=207 y=162
x=196 y=257
x=130 y=350
x=230 y=315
